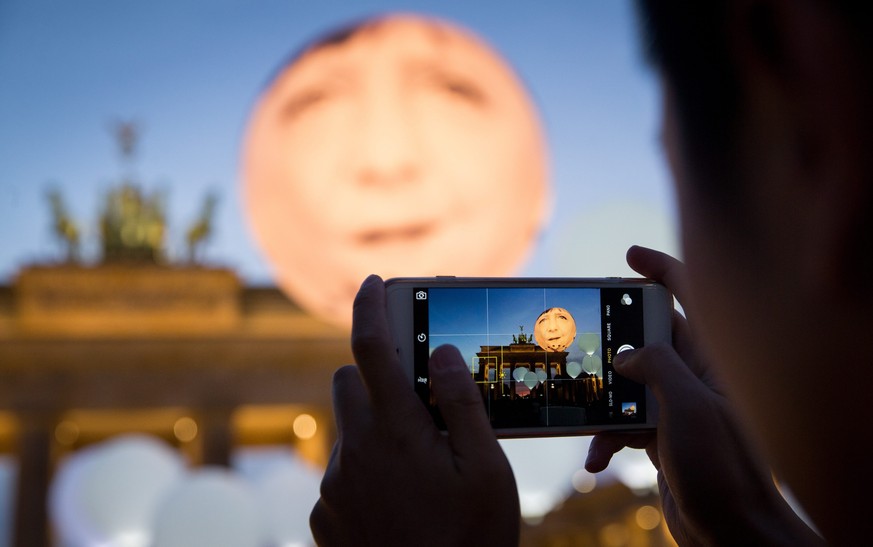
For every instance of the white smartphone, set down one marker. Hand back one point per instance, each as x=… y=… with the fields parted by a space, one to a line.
x=539 y=350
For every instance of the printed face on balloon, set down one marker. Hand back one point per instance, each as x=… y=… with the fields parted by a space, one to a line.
x=404 y=146
x=555 y=329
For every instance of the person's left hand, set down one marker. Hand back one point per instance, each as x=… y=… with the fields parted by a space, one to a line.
x=715 y=487
x=393 y=477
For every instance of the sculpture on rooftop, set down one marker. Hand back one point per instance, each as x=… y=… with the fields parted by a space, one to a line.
x=64 y=227
x=201 y=229
x=132 y=222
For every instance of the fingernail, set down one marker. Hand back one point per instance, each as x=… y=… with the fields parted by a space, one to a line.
x=437 y=361
x=443 y=356
x=621 y=358
x=592 y=459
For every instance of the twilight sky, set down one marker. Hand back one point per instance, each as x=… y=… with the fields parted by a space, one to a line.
x=189 y=72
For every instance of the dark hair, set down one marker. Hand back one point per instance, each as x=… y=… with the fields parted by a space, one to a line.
x=333 y=37
x=689 y=42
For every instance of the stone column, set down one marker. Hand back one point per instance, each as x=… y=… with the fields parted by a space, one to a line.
x=215 y=436
x=34 y=472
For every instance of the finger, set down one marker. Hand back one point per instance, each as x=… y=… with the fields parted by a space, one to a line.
x=604 y=445
x=662 y=369
x=351 y=403
x=659 y=266
x=333 y=485
x=375 y=353
x=323 y=523
x=460 y=402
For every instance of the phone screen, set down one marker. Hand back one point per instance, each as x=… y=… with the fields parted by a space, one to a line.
x=541 y=357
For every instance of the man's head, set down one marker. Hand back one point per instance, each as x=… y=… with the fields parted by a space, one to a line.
x=767 y=128
x=767 y=118
x=400 y=146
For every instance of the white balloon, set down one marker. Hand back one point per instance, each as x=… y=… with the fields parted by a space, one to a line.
x=287 y=489
x=8 y=472
x=542 y=487
x=541 y=375
x=531 y=380
x=212 y=506
x=107 y=494
x=593 y=364
x=574 y=369
x=519 y=373
x=589 y=342
x=634 y=469
x=64 y=509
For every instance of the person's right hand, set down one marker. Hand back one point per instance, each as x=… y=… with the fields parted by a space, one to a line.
x=715 y=487
x=393 y=477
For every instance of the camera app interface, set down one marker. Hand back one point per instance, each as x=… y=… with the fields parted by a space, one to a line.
x=541 y=357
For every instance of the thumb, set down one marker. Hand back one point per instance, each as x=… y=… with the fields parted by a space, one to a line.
x=662 y=369
x=459 y=401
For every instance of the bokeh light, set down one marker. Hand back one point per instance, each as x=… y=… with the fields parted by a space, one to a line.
x=185 y=429
x=583 y=481
x=614 y=535
x=305 y=426
x=66 y=433
x=647 y=517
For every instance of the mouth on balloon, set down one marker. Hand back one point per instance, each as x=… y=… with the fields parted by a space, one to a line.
x=390 y=236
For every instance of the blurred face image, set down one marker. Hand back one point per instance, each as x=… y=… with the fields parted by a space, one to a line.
x=404 y=147
x=555 y=329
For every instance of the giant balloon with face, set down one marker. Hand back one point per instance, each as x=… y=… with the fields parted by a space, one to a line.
x=555 y=329
x=403 y=146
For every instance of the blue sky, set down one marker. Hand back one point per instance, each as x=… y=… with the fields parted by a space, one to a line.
x=469 y=318
x=189 y=72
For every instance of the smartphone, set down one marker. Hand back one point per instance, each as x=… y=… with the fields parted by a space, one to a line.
x=539 y=350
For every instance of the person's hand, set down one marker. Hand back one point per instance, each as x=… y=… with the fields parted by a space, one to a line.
x=393 y=477
x=715 y=487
